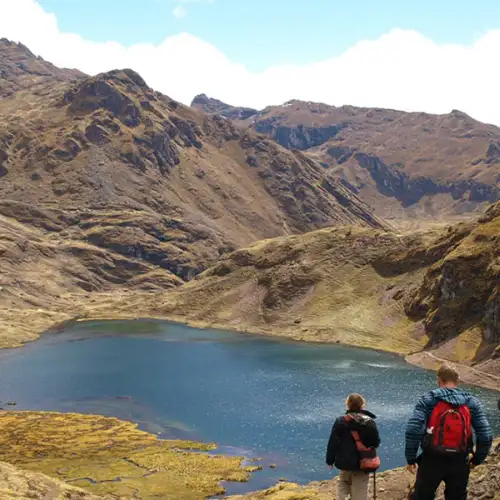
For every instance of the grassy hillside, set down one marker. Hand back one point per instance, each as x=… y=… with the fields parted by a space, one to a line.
x=435 y=290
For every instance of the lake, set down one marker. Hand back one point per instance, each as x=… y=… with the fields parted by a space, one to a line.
x=256 y=396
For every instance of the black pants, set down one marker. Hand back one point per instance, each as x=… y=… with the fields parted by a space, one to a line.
x=435 y=469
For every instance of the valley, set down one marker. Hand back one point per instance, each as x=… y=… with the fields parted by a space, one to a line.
x=346 y=226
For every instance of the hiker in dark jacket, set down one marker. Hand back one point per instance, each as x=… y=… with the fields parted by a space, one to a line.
x=437 y=463
x=342 y=451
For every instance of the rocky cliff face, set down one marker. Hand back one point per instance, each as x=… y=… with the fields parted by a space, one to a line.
x=461 y=291
x=408 y=190
x=297 y=137
x=404 y=165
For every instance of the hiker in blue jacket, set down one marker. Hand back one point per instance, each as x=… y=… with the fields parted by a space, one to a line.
x=442 y=425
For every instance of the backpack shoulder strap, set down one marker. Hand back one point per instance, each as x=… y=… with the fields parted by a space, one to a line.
x=355 y=435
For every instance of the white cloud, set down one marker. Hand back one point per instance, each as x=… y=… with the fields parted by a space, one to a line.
x=401 y=69
x=180 y=10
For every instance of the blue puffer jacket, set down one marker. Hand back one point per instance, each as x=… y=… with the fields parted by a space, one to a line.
x=415 y=430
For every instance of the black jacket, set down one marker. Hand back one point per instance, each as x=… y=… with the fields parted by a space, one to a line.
x=341 y=450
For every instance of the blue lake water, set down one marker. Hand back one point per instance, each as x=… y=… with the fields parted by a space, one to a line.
x=255 y=396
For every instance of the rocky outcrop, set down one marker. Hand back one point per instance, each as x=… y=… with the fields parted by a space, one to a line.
x=213 y=106
x=300 y=137
x=409 y=190
x=18 y=484
x=461 y=291
x=101 y=93
x=20 y=68
x=493 y=152
x=492 y=318
x=3 y=161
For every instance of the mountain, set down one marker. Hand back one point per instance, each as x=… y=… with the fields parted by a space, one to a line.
x=106 y=183
x=402 y=164
x=109 y=186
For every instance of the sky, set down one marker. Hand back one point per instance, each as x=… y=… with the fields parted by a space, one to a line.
x=426 y=55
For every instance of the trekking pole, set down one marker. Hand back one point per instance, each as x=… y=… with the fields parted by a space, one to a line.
x=374 y=486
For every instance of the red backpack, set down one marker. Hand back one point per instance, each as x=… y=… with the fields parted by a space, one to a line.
x=449 y=430
x=368 y=459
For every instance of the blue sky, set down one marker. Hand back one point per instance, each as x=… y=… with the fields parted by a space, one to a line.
x=427 y=55
x=262 y=33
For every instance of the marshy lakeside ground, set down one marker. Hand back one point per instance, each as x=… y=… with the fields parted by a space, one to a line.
x=109 y=456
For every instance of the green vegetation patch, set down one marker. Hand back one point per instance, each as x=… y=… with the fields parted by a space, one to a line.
x=109 y=456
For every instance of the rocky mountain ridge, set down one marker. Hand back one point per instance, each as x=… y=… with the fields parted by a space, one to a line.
x=20 y=69
x=402 y=164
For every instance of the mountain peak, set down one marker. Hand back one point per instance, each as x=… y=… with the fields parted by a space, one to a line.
x=202 y=98
x=6 y=44
x=456 y=113
x=125 y=75
x=212 y=106
x=20 y=68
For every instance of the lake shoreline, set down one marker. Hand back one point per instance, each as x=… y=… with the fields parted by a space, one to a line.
x=420 y=358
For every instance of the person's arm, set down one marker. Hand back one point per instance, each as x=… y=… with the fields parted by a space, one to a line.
x=482 y=429
x=371 y=436
x=415 y=430
x=333 y=442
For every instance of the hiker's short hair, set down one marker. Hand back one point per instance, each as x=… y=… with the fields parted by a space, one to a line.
x=355 y=402
x=448 y=373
